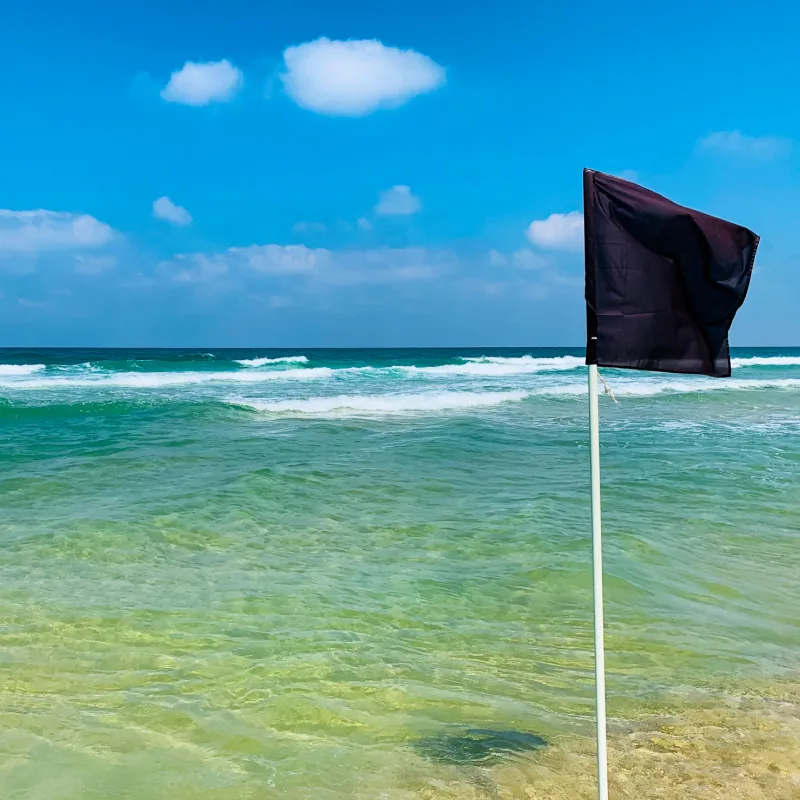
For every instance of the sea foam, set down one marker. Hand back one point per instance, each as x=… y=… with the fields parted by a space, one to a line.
x=766 y=361
x=554 y=363
x=20 y=369
x=155 y=380
x=260 y=362
x=382 y=404
x=498 y=367
x=649 y=388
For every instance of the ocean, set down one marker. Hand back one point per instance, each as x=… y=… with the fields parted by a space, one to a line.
x=329 y=574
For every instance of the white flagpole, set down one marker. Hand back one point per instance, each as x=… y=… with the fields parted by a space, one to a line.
x=597 y=563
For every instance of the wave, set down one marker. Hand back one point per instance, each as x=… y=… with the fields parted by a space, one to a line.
x=155 y=380
x=644 y=388
x=260 y=362
x=20 y=369
x=382 y=404
x=766 y=361
x=554 y=363
x=499 y=367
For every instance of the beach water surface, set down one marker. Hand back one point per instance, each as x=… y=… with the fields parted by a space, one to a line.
x=366 y=574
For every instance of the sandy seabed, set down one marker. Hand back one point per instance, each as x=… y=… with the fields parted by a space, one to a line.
x=720 y=747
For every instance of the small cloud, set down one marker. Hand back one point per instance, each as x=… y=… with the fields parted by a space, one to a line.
x=140 y=280
x=737 y=144
x=278 y=301
x=398 y=201
x=558 y=231
x=527 y=259
x=94 y=265
x=364 y=224
x=488 y=288
x=356 y=77
x=196 y=267
x=200 y=84
x=308 y=227
x=34 y=232
x=25 y=303
x=164 y=208
x=344 y=267
x=497 y=259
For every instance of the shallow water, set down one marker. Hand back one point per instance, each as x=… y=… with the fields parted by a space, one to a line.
x=227 y=577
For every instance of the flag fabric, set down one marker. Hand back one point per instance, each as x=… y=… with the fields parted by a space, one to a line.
x=663 y=282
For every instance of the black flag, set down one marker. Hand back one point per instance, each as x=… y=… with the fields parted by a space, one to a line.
x=663 y=282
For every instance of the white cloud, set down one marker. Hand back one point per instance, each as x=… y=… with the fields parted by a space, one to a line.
x=497 y=259
x=308 y=227
x=200 y=84
x=196 y=268
x=488 y=288
x=629 y=175
x=343 y=267
x=735 y=143
x=558 y=231
x=164 y=208
x=33 y=232
x=398 y=201
x=527 y=259
x=278 y=301
x=356 y=77
x=94 y=265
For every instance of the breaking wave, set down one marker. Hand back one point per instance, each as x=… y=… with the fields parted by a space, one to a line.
x=498 y=367
x=644 y=388
x=383 y=404
x=766 y=361
x=554 y=363
x=20 y=369
x=155 y=380
x=260 y=362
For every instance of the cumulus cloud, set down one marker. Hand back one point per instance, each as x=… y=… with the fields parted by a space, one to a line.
x=558 y=231
x=398 y=201
x=737 y=144
x=34 y=232
x=203 y=83
x=164 y=208
x=356 y=77
x=380 y=265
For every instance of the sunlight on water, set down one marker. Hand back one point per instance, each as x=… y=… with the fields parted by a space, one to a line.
x=368 y=575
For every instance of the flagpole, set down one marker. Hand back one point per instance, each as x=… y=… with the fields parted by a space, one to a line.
x=597 y=565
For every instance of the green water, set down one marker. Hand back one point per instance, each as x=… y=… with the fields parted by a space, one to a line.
x=288 y=579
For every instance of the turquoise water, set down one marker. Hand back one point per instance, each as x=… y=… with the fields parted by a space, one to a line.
x=247 y=574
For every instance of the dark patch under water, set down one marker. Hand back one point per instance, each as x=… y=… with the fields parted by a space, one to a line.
x=477 y=745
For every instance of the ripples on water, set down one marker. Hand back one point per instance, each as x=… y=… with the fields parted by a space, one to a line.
x=333 y=574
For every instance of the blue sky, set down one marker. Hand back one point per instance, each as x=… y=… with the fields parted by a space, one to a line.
x=358 y=173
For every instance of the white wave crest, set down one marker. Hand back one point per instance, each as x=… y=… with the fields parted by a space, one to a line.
x=766 y=361
x=648 y=388
x=260 y=362
x=382 y=404
x=554 y=363
x=155 y=380
x=499 y=367
x=20 y=369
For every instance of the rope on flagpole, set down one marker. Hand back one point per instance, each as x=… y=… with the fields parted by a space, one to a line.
x=606 y=387
x=597 y=567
